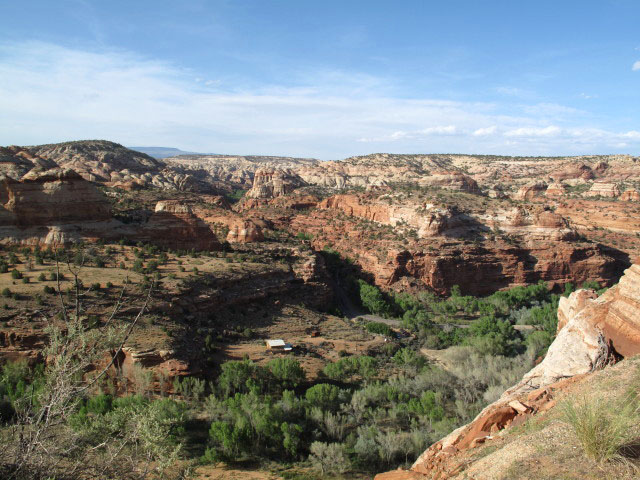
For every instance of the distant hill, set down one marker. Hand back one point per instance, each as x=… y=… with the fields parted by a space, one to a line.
x=163 y=152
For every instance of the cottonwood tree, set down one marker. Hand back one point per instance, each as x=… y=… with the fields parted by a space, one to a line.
x=40 y=442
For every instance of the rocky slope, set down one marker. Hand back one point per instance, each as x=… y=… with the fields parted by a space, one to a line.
x=407 y=241
x=593 y=332
x=114 y=165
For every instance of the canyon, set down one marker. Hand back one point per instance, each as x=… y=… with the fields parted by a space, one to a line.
x=244 y=248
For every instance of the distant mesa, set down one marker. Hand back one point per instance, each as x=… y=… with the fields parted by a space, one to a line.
x=164 y=152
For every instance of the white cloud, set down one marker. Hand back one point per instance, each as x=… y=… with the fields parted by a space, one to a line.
x=482 y=132
x=50 y=93
x=440 y=130
x=636 y=66
x=550 y=131
x=424 y=132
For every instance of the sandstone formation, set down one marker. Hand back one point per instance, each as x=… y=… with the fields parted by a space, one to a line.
x=174 y=225
x=97 y=160
x=570 y=306
x=530 y=191
x=603 y=189
x=273 y=183
x=454 y=180
x=572 y=171
x=630 y=195
x=51 y=205
x=117 y=166
x=496 y=192
x=54 y=196
x=414 y=243
x=615 y=313
x=556 y=189
x=17 y=161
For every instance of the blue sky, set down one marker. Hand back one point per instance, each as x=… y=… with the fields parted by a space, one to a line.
x=325 y=79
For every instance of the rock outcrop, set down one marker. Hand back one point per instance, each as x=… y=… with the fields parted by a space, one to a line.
x=17 y=161
x=569 y=307
x=603 y=189
x=556 y=189
x=573 y=171
x=97 y=160
x=53 y=197
x=114 y=165
x=244 y=231
x=630 y=195
x=453 y=180
x=174 y=225
x=530 y=191
x=273 y=183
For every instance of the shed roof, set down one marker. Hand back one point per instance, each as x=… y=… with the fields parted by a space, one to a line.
x=276 y=343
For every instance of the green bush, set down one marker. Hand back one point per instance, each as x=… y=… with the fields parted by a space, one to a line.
x=379 y=328
x=323 y=395
x=239 y=376
x=372 y=299
x=287 y=372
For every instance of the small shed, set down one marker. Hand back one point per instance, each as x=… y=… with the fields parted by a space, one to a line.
x=278 y=345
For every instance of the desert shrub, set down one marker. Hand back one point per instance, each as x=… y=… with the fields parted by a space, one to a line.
x=286 y=371
x=6 y=292
x=15 y=274
x=346 y=368
x=408 y=357
x=323 y=395
x=138 y=266
x=601 y=427
x=191 y=388
x=239 y=376
x=329 y=458
x=379 y=328
x=493 y=336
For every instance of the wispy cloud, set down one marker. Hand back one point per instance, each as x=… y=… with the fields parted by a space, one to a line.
x=423 y=132
x=483 y=132
x=550 y=131
x=636 y=66
x=50 y=93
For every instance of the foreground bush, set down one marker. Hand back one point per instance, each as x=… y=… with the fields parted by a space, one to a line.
x=602 y=428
